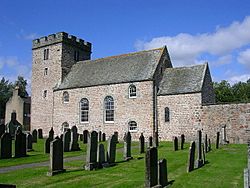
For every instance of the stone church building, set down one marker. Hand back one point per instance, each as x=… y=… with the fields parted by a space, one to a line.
x=139 y=92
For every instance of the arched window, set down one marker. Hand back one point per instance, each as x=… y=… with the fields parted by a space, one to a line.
x=166 y=114
x=84 y=110
x=132 y=126
x=132 y=91
x=109 y=109
x=64 y=127
x=65 y=97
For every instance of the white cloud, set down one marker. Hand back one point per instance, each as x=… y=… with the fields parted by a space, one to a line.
x=31 y=36
x=185 y=48
x=244 y=57
x=239 y=78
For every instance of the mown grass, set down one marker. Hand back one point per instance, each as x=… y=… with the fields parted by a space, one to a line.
x=223 y=169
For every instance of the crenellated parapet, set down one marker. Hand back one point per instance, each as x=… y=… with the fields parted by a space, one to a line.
x=61 y=37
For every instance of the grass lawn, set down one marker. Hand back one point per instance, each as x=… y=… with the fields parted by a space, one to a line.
x=224 y=169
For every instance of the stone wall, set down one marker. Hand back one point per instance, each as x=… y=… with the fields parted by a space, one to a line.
x=139 y=109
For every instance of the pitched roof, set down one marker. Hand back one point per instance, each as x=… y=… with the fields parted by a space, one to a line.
x=124 y=68
x=182 y=80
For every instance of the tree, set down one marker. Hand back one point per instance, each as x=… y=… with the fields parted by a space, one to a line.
x=223 y=92
x=6 y=88
x=21 y=83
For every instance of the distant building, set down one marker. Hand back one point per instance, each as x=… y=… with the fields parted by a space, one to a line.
x=21 y=106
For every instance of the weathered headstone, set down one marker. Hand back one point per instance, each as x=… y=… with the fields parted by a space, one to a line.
x=206 y=144
x=175 y=143
x=6 y=146
x=162 y=173
x=191 y=157
x=40 y=133
x=47 y=145
x=217 y=140
x=51 y=134
x=56 y=157
x=127 y=146
x=34 y=136
x=2 y=129
x=103 y=137
x=203 y=154
x=182 y=141
x=111 y=153
x=224 y=135
x=246 y=178
x=151 y=175
x=150 y=141
x=209 y=145
x=85 y=136
x=141 y=144
x=116 y=136
x=100 y=155
x=20 y=144
x=12 y=125
x=199 y=161
x=66 y=140
x=74 y=146
x=99 y=136
x=29 y=142
x=91 y=158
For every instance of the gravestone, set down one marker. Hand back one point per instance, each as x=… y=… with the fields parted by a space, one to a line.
x=29 y=142
x=127 y=146
x=209 y=145
x=99 y=136
x=74 y=146
x=13 y=124
x=91 y=158
x=101 y=155
x=6 y=146
x=150 y=141
x=199 y=161
x=162 y=173
x=34 y=136
x=151 y=173
x=56 y=157
x=66 y=140
x=81 y=137
x=47 y=145
x=111 y=153
x=61 y=137
x=224 y=135
x=156 y=139
x=191 y=157
x=182 y=141
x=203 y=154
x=116 y=136
x=103 y=137
x=20 y=144
x=175 y=143
x=141 y=144
x=40 y=133
x=2 y=129
x=246 y=178
x=217 y=140
x=85 y=136
x=51 y=134
x=206 y=144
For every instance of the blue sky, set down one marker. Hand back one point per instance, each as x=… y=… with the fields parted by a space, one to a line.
x=214 y=31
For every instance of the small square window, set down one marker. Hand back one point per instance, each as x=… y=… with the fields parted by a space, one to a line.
x=45 y=93
x=45 y=71
x=46 y=54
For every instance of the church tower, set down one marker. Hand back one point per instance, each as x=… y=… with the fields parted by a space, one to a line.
x=52 y=58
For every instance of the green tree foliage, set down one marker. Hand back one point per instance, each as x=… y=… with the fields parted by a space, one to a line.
x=22 y=84
x=6 y=88
x=239 y=92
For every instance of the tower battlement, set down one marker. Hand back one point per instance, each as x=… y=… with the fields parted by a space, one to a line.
x=61 y=37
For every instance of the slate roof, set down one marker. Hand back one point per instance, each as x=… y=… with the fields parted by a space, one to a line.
x=138 y=66
x=182 y=80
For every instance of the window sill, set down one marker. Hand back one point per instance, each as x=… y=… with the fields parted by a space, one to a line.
x=84 y=122
x=109 y=122
x=132 y=97
x=133 y=131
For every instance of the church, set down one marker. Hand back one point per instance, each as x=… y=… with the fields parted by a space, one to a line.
x=140 y=92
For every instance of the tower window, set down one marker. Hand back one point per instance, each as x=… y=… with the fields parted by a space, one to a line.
x=132 y=126
x=65 y=97
x=45 y=71
x=84 y=110
x=132 y=91
x=46 y=54
x=109 y=109
x=76 y=55
x=45 y=92
x=166 y=114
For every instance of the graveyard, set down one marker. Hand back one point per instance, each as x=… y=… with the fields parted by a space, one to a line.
x=127 y=165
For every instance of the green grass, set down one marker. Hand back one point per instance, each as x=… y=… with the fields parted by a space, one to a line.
x=224 y=169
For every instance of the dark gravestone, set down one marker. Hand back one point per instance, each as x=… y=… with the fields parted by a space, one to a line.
x=20 y=144
x=66 y=140
x=81 y=137
x=47 y=145
x=103 y=137
x=205 y=144
x=101 y=155
x=56 y=157
x=203 y=154
x=156 y=139
x=127 y=146
x=6 y=146
x=85 y=136
x=209 y=145
x=116 y=136
x=217 y=140
x=34 y=136
x=199 y=161
x=175 y=143
x=141 y=144
x=151 y=175
x=61 y=137
x=40 y=133
x=91 y=158
x=99 y=136
x=13 y=124
x=51 y=134
x=2 y=129
x=182 y=141
x=29 y=142
x=74 y=146
x=191 y=157
x=162 y=173
x=7 y=185
x=150 y=141
x=111 y=153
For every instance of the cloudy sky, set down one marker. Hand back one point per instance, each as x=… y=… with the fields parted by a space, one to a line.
x=214 y=31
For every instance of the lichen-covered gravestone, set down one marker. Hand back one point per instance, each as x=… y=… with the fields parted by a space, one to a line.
x=40 y=133
x=66 y=140
x=111 y=149
x=151 y=173
x=141 y=144
x=29 y=142
x=127 y=146
x=91 y=158
x=191 y=157
x=34 y=136
x=6 y=146
x=85 y=136
x=74 y=146
x=56 y=157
